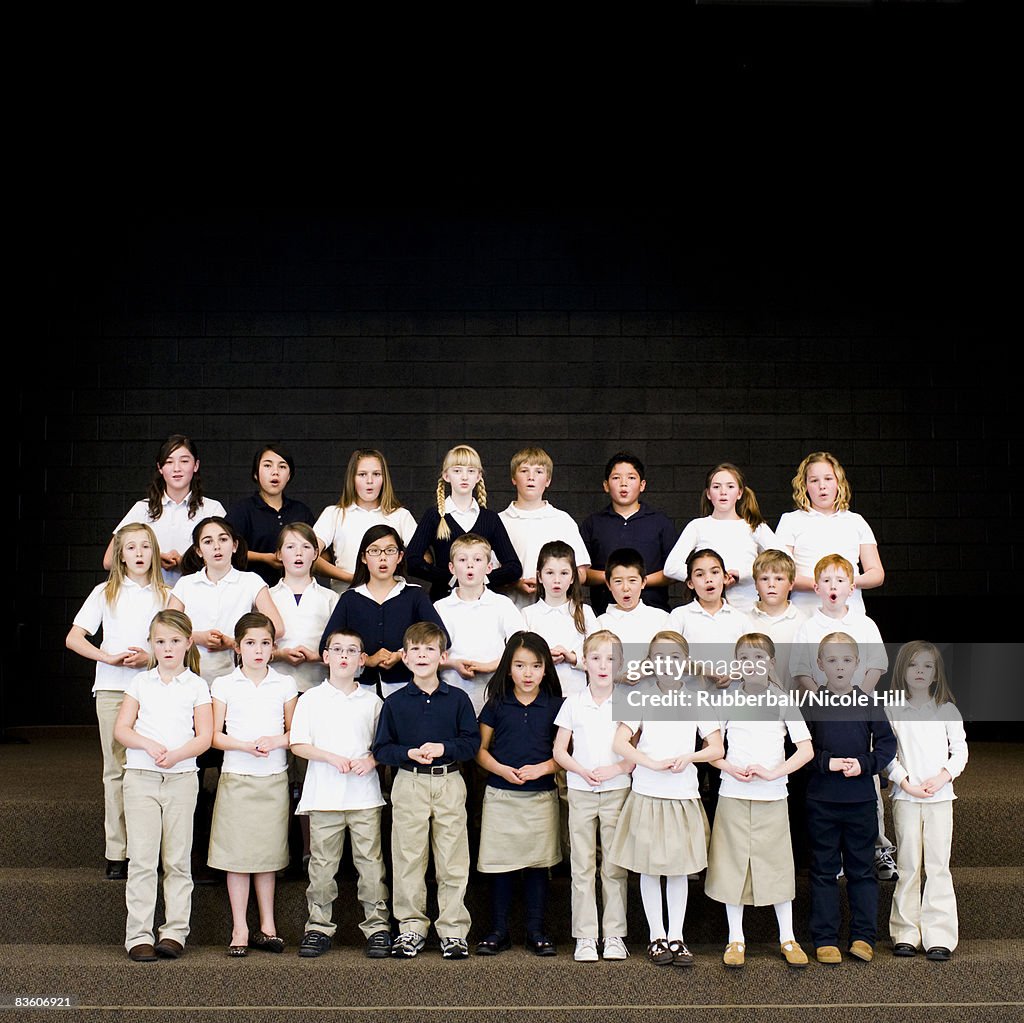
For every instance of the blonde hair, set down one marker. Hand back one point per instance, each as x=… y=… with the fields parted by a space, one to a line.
x=599 y=637
x=759 y=641
x=774 y=561
x=843 y=492
x=179 y=622
x=939 y=690
x=842 y=638
x=669 y=636
x=833 y=561
x=469 y=540
x=746 y=507
x=388 y=503
x=532 y=456
x=119 y=571
x=461 y=454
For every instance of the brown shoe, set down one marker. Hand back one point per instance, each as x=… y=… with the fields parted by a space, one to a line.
x=168 y=948
x=734 y=954
x=862 y=950
x=681 y=955
x=658 y=952
x=829 y=954
x=793 y=953
x=142 y=954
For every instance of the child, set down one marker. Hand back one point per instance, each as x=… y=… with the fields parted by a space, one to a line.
x=333 y=728
x=258 y=519
x=627 y=522
x=174 y=503
x=663 y=829
x=464 y=511
x=751 y=857
x=531 y=522
x=379 y=606
x=478 y=621
x=559 y=614
x=164 y=723
x=774 y=615
x=216 y=591
x=732 y=524
x=123 y=607
x=252 y=713
x=519 y=828
x=427 y=729
x=851 y=745
x=633 y=621
x=367 y=499
x=598 y=781
x=823 y=523
x=931 y=750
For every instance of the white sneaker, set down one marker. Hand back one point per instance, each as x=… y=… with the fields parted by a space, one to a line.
x=586 y=950
x=615 y=948
x=408 y=945
x=885 y=865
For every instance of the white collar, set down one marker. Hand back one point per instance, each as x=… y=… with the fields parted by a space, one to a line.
x=231 y=577
x=450 y=509
x=168 y=503
x=544 y=511
x=400 y=584
x=790 y=612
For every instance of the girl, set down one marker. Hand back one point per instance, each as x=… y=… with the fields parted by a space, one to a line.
x=823 y=524
x=123 y=607
x=751 y=858
x=164 y=723
x=519 y=827
x=663 y=829
x=379 y=606
x=598 y=785
x=732 y=524
x=252 y=716
x=174 y=503
x=559 y=614
x=216 y=591
x=367 y=499
x=464 y=511
x=931 y=752
x=258 y=519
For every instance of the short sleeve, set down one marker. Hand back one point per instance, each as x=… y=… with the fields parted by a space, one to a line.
x=405 y=523
x=795 y=725
x=139 y=512
x=291 y=689
x=800 y=655
x=220 y=687
x=511 y=620
x=564 y=717
x=765 y=538
x=132 y=688
x=181 y=590
x=488 y=715
x=90 y=616
x=785 y=532
x=864 y=531
x=202 y=693
x=300 y=730
x=326 y=526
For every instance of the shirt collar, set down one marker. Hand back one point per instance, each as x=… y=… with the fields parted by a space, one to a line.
x=231 y=577
x=183 y=503
x=286 y=502
x=519 y=513
x=545 y=608
x=540 y=700
x=400 y=584
x=334 y=693
x=642 y=510
x=790 y=612
x=179 y=679
x=450 y=509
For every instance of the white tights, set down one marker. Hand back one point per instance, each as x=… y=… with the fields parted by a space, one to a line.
x=676 y=890
x=734 y=914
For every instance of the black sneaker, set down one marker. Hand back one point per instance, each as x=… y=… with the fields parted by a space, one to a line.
x=117 y=870
x=408 y=945
x=454 y=948
x=378 y=945
x=313 y=944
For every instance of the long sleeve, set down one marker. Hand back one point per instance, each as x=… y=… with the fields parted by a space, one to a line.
x=957 y=748
x=675 y=563
x=510 y=569
x=386 y=747
x=883 y=750
x=423 y=540
x=339 y=620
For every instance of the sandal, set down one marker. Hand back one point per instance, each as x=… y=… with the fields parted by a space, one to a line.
x=266 y=942
x=681 y=955
x=659 y=953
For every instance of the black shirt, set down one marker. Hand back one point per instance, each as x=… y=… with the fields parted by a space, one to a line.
x=261 y=525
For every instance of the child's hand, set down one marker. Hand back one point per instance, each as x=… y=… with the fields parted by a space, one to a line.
x=918 y=791
x=115 y=659
x=292 y=654
x=170 y=559
x=739 y=773
x=270 y=742
x=373 y=660
x=759 y=771
x=720 y=681
x=341 y=764
x=852 y=768
x=216 y=640
x=527 y=586
x=256 y=751
x=137 y=658
x=732 y=577
x=531 y=772
x=154 y=749
x=663 y=765
x=605 y=771
x=465 y=668
x=560 y=655
x=390 y=658
x=363 y=765
x=433 y=749
x=419 y=756
x=680 y=763
x=511 y=774
x=936 y=782
x=167 y=759
x=838 y=763
x=592 y=778
x=310 y=655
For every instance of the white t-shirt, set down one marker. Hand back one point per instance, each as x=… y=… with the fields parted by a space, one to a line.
x=812 y=535
x=254 y=710
x=304 y=624
x=710 y=636
x=634 y=628
x=593 y=730
x=737 y=545
x=345 y=528
x=558 y=627
x=927 y=740
x=342 y=723
x=871 y=649
x=753 y=740
x=781 y=630
x=166 y=714
x=125 y=624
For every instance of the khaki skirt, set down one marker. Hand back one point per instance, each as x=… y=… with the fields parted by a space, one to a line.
x=661 y=836
x=751 y=860
x=517 y=830
x=249 y=834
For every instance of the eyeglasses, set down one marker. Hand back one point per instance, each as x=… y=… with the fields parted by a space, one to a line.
x=376 y=552
x=344 y=650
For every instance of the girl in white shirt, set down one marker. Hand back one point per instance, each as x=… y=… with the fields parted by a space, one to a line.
x=731 y=524
x=931 y=751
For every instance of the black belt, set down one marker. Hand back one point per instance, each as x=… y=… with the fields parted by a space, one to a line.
x=429 y=769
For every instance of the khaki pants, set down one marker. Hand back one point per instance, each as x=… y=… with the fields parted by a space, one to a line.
x=158 y=811
x=430 y=808
x=108 y=703
x=924 y=835
x=589 y=814
x=326 y=843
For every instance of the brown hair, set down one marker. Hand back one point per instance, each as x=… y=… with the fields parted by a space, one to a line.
x=158 y=486
x=388 y=502
x=425 y=632
x=746 y=507
x=774 y=561
x=119 y=572
x=939 y=690
x=179 y=622
x=560 y=549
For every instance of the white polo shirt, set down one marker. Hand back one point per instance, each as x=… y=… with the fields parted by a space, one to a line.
x=781 y=630
x=593 y=729
x=558 y=627
x=530 y=530
x=812 y=535
x=254 y=710
x=304 y=622
x=928 y=739
x=634 y=628
x=342 y=723
x=125 y=624
x=174 y=527
x=752 y=740
x=711 y=636
x=661 y=740
x=466 y=519
x=804 y=659
x=166 y=714
x=345 y=528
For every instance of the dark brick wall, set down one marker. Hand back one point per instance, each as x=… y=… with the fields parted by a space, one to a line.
x=584 y=332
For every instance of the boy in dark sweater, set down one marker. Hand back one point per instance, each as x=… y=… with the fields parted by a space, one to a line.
x=851 y=745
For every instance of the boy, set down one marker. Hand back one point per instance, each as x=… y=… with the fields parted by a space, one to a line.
x=427 y=729
x=627 y=522
x=478 y=621
x=531 y=522
x=851 y=745
x=774 y=614
x=633 y=621
x=333 y=728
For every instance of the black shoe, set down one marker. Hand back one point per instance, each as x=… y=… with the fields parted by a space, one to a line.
x=202 y=874
x=313 y=944
x=904 y=949
x=378 y=945
x=540 y=945
x=493 y=944
x=938 y=954
x=117 y=870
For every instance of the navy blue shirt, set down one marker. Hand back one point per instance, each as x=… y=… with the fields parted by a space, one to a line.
x=648 y=531
x=861 y=732
x=261 y=525
x=488 y=525
x=523 y=734
x=411 y=717
x=382 y=625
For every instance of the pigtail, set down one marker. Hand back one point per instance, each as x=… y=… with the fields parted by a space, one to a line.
x=192 y=658
x=749 y=509
x=480 y=493
x=443 y=529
